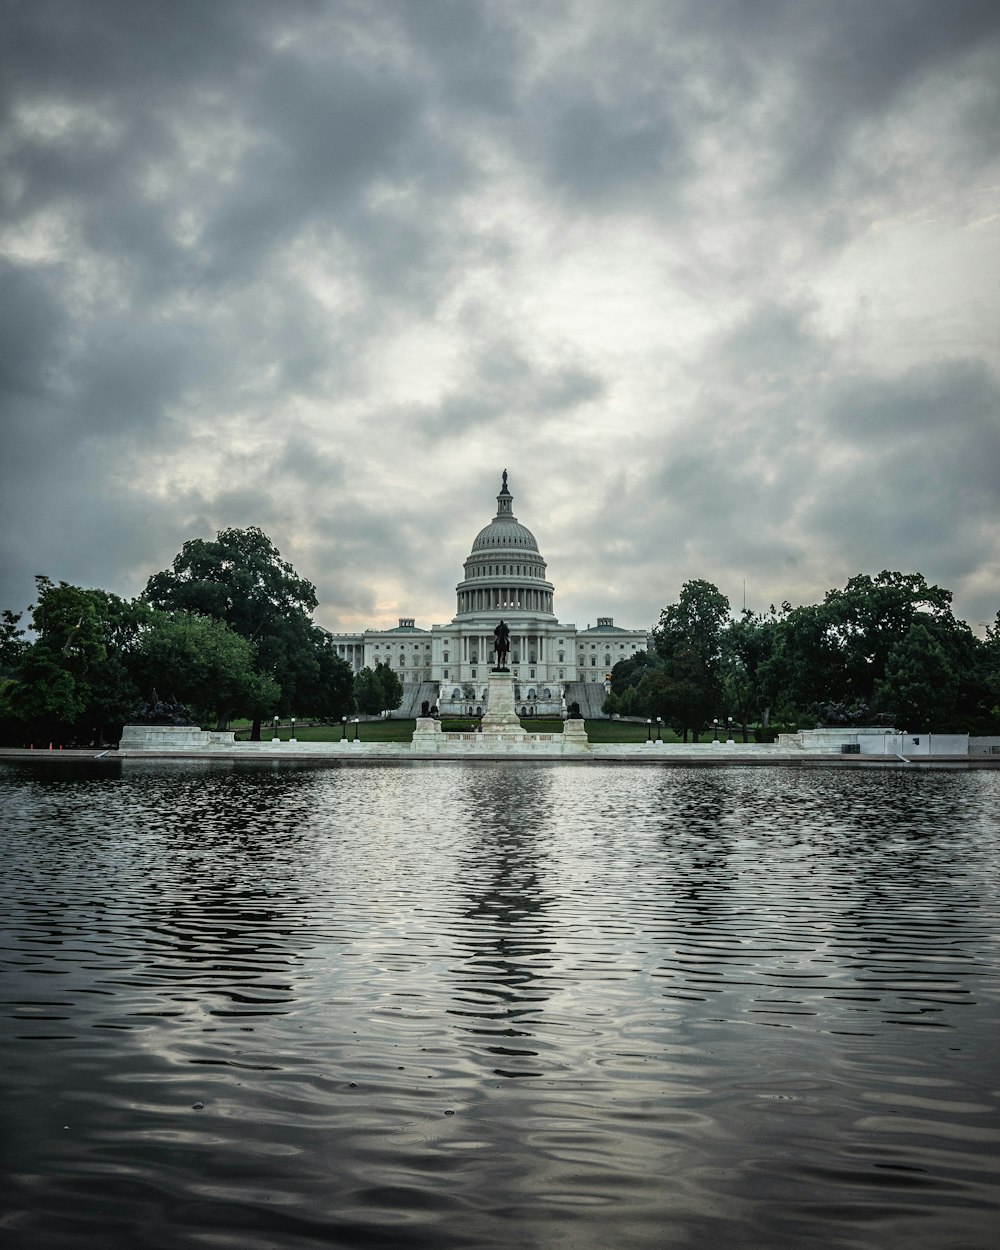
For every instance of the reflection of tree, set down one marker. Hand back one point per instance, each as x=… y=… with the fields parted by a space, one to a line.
x=217 y=913
x=697 y=837
x=504 y=941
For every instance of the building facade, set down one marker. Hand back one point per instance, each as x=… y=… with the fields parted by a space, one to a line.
x=504 y=578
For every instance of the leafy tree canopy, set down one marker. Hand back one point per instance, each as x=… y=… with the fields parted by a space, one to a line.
x=378 y=689
x=203 y=664
x=241 y=579
x=694 y=623
x=631 y=670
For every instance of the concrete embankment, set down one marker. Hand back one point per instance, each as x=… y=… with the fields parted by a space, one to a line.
x=662 y=755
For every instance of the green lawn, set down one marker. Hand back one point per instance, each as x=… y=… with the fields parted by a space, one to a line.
x=625 y=731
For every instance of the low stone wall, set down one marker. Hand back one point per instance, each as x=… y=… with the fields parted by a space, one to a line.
x=504 y=739
x=430 y=741
x=174 y=738
x=872 y=740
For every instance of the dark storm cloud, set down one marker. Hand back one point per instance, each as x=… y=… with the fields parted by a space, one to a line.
x=305 y=462
x=321 y=136
x=34 y=330
x=472 y=49
x=925 y=475
x=791 y=476
x=228 y=223
x=505 y=386
x=856 y=62
x=128 y=374
x=605 y=154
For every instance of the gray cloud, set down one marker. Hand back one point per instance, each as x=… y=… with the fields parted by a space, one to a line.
x=326 y=268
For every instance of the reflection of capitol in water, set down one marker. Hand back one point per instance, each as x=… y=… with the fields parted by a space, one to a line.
x=503 y=935
x=504 y=578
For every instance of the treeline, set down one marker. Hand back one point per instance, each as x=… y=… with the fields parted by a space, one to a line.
x=884 y=650
x=226 y=631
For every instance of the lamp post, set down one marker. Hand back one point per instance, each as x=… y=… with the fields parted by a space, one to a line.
x=659 y=728
x=357 y=729
x=729 y=726
x=715 y=729
x=275 y=737
x=649 y=730
x=343 y=728
x=291 y=736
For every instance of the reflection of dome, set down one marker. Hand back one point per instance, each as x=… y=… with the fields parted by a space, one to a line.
x=505 y=572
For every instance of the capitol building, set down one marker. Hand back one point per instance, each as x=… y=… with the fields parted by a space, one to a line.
x=504 y=578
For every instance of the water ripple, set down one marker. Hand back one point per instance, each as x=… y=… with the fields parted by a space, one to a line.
x=482 y=1006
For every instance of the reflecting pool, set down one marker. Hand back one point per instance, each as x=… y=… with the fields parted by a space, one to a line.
x=466 y=1005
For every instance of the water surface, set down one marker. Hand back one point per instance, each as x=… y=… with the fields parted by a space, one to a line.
x=488 y=1005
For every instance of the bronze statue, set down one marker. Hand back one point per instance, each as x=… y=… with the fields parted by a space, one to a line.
x=502 y=636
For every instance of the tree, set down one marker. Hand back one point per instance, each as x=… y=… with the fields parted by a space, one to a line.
x=747 y=644
x=694 y=623
x=870 y=616
x=631 y=670
x=330 y=694
x=13 y=646
x=689 y=641
x=390 y=685
x=73 y=680
x=920 y=686
x=806 y=663
x=367 y=692
x=377 y=690
x=242 y=580
x=681 y=692
x=205 y=665
x=990 y=672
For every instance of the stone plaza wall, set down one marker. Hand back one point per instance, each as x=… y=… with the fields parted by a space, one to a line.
x=174 y=738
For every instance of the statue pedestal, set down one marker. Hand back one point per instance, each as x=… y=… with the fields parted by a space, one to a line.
x=500 y=711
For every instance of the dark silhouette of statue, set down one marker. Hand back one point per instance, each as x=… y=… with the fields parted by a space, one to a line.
x=160 y=712
x=502 y=636
x=838 y=715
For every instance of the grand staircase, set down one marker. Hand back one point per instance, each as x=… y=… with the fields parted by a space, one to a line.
x=414 y=694
x=589 y=694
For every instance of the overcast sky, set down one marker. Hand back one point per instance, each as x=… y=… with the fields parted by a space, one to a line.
x=717 y=282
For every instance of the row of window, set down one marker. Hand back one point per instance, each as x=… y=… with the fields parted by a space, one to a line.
x=506 y=570
x=473 y=672
x=457 y=694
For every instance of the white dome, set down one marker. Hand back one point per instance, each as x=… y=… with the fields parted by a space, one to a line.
x=504 y=572
x=504 y=532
